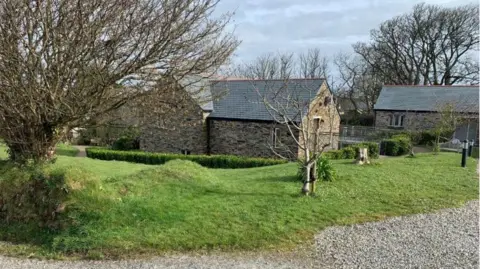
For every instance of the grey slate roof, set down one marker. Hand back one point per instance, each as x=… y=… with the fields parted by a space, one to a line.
x=428 y=98
x=240 y=99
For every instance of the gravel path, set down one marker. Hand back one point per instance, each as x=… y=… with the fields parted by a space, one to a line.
x=446 y=239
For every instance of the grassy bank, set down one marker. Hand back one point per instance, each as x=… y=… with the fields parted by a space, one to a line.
x=180 y=206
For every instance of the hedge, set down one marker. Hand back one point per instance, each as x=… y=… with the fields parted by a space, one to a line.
x=428 y=138
x=351 y=152
x=397 y=145
x=211 y=161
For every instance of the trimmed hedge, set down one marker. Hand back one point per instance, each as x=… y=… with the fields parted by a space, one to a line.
x=397 y=145
x=211 y=161
x=351 y=152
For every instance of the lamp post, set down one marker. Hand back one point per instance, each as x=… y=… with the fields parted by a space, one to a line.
x=470 y=149
x=464 y=152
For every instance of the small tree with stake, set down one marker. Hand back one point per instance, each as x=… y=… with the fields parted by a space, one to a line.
x=285 y=101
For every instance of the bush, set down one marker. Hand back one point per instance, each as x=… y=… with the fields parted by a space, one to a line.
x=397 y=145
x=32 y=195
x=325 y=170
x=427 y=138
x=348 y=153
x=390 y=147
x=212 y=161
x=351 y=152
x=126 y=143
x=404 y=144
x=333 y=154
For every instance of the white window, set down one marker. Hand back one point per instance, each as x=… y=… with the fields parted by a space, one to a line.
x=397 y=120
x=275 y=137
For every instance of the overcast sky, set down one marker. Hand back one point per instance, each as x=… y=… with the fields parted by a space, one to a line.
x=296 y=25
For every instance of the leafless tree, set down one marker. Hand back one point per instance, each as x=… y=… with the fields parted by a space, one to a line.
x=310 y=122
x=357 y=81
x=309 y=64
x=312 y=64
x=431 y=45
x=65 y=62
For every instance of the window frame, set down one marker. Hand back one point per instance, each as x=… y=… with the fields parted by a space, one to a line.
x=275 y=135
x=397 y=120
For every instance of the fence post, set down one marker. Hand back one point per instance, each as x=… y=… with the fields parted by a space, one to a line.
x=464 y=153
x=470 y=149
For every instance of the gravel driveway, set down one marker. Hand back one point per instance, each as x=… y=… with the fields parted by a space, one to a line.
x=446 y=239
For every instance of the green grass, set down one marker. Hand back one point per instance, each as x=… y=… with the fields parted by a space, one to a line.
x=180 y=206
x=66 y=150
x=61 y=150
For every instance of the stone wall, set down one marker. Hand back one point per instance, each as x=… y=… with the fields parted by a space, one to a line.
x=177 y=125
x=412 y=121
x=418 y=121
x=323 y=121
x=248 y=138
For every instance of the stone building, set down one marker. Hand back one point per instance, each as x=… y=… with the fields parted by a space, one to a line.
x=237 y=121
x=417 y=108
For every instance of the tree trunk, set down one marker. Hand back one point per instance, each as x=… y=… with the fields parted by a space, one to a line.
x=362 y=156
x=313 y=176
x=306 y=182
x=32 y=143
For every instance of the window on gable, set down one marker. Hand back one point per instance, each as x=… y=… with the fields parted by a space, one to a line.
x=275 y=137
x=327 y=100
x=316 y=124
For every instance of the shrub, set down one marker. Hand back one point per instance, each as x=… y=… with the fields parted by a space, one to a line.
x=404 y=144
x=397 y=145
x=348 y=152
x=325 y=170
x=390 y=147
x=333 y=154
x=427 y=138
x=212 y=161
x=126 y=143
x=351 y=152
x=32 y=195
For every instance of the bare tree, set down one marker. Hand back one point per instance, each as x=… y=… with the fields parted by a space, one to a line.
x=65 y=62
x=431 y=45
x=357 y=81
x=312 y=64
x=309 y=115
x=309 y=64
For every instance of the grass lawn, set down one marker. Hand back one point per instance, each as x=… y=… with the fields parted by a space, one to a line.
x=180 y=206
x=61 y=150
